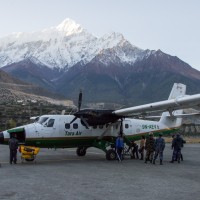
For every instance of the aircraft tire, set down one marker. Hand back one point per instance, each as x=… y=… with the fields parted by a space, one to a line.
x=81 y=151
x=111 y=154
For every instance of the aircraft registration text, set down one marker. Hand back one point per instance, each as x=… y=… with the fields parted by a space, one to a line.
x=150 y=126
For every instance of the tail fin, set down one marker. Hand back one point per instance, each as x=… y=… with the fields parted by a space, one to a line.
x=178 y=90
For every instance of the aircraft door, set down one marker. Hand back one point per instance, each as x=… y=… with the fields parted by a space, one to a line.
x=127 y=127
x=20 y=134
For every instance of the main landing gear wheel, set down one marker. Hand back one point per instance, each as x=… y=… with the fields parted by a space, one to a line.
x=81 y=151
x=111 y=154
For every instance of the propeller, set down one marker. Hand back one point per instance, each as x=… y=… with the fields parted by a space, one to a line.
x=90 y=117
x=85 y=122
x=73 y=120
x=79 y=105
x=79 y=109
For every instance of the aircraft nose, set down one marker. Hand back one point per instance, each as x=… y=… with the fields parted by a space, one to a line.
x=1 y=138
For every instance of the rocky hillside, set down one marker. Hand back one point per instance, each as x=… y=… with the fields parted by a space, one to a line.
x=13 y=90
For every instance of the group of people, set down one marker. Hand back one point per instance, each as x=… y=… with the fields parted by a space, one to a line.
x=177 y=144
x=154 y=148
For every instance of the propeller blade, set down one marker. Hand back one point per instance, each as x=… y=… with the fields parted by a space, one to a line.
x=85 y=122
x=73 y=120
x=80 y=100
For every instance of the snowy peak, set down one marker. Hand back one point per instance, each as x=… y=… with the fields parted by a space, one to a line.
x=70 y=27
x=65 y=45
x=114 y=36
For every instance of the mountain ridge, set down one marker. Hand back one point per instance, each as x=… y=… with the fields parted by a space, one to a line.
x=108 y=69
x=56 y=48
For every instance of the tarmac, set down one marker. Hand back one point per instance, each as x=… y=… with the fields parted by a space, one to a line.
x=61 y=175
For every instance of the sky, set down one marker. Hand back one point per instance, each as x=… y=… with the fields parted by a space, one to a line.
x=172 y=26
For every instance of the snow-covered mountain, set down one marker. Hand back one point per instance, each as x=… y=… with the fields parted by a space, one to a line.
x=66 y=58
x=63 y=46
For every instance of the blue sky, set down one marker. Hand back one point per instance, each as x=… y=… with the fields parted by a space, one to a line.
x=172 y=25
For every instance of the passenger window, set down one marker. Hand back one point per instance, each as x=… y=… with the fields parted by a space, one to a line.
x=67 y=126
x=75 y=126
x=50 y=123
x=95 y=127
x=126 y=126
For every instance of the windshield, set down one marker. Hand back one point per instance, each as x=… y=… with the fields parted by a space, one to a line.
x=42 y=120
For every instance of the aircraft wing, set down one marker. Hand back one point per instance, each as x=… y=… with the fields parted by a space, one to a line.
x=189 y=101
x=174 y=115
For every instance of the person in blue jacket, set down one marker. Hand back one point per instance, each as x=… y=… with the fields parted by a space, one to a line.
x=119 y=144
x=177 y=144
x=159 y=147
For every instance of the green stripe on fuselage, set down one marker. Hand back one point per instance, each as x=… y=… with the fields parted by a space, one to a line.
x=164 y=132
x=67 y=142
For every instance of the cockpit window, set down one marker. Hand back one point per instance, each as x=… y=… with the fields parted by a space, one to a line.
x=50 y=123
x=42 y=120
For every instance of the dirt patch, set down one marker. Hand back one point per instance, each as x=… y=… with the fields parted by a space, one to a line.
x=187 y=139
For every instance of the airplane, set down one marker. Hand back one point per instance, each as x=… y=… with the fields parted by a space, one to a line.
x=99 y=128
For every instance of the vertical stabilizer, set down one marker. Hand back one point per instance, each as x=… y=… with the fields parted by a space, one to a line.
x=178 y=90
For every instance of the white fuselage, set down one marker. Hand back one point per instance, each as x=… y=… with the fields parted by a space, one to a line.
x=60 y=127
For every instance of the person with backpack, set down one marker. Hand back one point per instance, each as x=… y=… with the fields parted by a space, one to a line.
x=13 y=146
